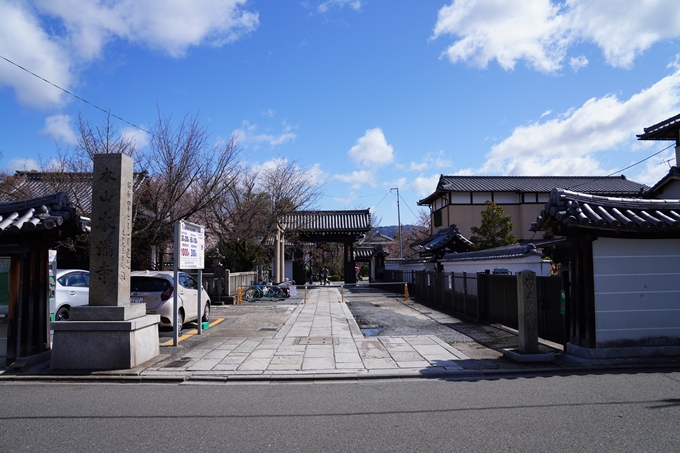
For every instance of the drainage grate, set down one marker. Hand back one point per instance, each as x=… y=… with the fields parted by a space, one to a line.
x=267 y=329
x=178 y=363
x=316 y=340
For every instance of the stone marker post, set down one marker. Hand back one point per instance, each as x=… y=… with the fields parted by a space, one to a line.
x=110 y=241
x=109 y=333
x=528 y=312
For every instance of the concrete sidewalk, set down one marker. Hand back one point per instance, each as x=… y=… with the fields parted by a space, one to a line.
x=320 y=340
x=320 y=337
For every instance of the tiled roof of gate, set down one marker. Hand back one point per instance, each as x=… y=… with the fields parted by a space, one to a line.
x=358 y=221
x=446 y=238
x=45 y=213
x=597 y=185
x=366 y=253
x=573 y=210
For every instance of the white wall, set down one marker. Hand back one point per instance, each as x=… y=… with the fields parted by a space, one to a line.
x=513 y=265
x=637 y=289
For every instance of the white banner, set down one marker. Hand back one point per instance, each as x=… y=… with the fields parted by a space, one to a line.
x=191 y=245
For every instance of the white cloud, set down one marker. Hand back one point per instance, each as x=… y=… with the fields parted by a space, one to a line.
x=169 y=25
x=623 y=29
x=51 y=37
x=372 y=149
x=430 y=160
x=568 y=145
x=140 y=137
x=328 y=4
x=59 y=128
x=541 y=31
x=505 y=31
x=248 y=136
x=656 y=168
x=425 y=185
x=22 y=164
x=358 y=178
x=577 y=63
x=23 y=41
x=316 y=175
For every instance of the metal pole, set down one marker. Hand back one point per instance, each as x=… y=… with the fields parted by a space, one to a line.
x=401 y=247
x=175 y=301
x=200 y=295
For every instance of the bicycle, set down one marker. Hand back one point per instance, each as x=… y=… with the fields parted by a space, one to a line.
x=260 y=290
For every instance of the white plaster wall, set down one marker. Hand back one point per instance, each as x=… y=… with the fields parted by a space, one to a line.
x=637 y=289
x=533 y=263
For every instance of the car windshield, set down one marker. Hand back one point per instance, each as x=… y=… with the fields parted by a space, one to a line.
x=148 y=284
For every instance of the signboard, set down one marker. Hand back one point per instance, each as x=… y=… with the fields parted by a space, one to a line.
x=191 y=245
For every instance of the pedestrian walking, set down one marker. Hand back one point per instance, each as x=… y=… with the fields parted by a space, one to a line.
x=325 y=276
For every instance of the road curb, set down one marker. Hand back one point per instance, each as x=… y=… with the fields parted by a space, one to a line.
x=329 y=377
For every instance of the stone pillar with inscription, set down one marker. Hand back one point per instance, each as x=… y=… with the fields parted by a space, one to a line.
x=109 y=333
x=527 y=315
x=527 y=306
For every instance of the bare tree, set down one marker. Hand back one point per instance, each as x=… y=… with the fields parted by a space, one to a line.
x=245 y=218
x=187 y=175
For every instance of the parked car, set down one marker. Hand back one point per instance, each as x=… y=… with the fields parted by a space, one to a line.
x=72 y=289
x=156 y=288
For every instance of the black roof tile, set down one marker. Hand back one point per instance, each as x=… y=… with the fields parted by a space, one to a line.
x=354 y=222
x=572 y=211
x=599 y=185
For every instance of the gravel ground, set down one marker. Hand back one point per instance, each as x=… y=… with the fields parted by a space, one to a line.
x=389 y=315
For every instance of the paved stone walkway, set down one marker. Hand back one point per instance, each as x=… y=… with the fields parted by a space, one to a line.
x=320 y=337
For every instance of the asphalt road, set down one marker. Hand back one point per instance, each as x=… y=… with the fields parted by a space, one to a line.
x=596 y=412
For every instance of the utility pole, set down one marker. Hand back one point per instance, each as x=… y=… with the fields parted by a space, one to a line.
x=401 y=247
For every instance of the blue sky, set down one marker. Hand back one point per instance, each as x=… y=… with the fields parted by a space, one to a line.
x=367 y=95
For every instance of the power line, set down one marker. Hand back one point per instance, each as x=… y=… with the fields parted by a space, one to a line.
x=108 y=112
x=624 y=169
x=646 y=158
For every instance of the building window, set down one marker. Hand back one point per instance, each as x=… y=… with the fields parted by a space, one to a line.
x=437 y=218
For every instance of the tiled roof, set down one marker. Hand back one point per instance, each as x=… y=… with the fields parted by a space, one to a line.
x=328 y=221
x=446 y=239
x=40 y=215
x=78 y=186
x=586 y=184
x=366 y=253
x=665 y=130
x=598 y=185
x=567 y=211
x=508 y=251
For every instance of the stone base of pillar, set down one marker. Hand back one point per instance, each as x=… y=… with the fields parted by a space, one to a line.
x=104 y=345
x=107 y=313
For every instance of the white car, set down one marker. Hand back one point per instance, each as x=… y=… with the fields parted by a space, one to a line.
x=156 y=288
x=72 y=289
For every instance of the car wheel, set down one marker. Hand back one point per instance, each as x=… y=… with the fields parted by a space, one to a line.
x=206 y=312
x=63 y=314
x=180 y=323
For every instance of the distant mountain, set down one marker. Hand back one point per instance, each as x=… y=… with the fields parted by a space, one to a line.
x=391 y=231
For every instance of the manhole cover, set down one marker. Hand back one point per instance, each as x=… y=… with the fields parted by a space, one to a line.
x=316 y=340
